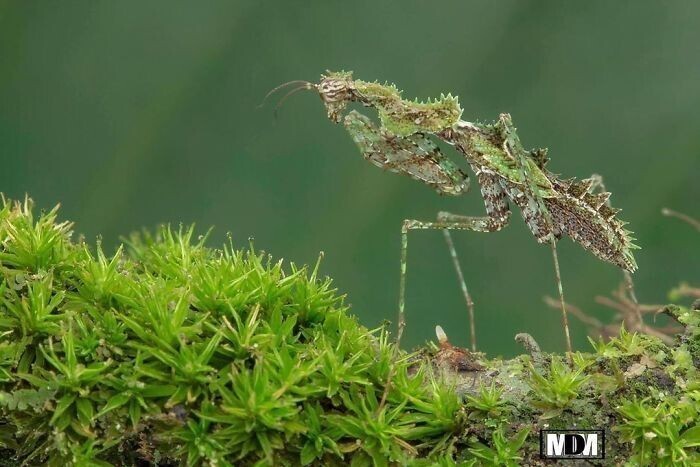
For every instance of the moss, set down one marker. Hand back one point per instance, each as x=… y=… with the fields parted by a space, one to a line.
x=169 y=352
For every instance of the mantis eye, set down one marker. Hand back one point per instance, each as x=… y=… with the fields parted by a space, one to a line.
x=335 y=90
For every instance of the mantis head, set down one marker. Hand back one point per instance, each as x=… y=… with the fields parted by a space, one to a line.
x=398 y=116
x=336 y=89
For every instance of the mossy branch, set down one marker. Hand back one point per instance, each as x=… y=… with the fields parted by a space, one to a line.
x=169 y=352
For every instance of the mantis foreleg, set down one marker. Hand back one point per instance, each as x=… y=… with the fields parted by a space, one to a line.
x=415 y=155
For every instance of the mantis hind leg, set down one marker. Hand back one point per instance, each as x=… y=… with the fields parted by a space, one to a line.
x=529 y=197
x=474 y=224
x=498 y=216
x=560 y=288
x=539 y=222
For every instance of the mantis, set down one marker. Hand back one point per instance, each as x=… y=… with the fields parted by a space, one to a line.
x=507 y=174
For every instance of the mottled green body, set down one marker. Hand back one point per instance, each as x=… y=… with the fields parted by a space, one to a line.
x=506 y=171
x=551 y=207
x=397 y=116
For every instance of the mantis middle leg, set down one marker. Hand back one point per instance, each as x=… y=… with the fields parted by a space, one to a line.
x=498 y=215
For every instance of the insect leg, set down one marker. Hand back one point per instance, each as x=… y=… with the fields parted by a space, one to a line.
x=490 y=224
x=497 y=209
x=534 y=210
x=463 y=285
x=498 y=216
x=560 y=288
x=415 y=155
x=474 y=224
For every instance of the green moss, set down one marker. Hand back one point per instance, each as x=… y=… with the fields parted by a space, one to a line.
x=557 y=390
x=169 y=352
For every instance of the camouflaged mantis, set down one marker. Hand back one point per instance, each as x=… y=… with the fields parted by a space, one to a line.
x=507 y=173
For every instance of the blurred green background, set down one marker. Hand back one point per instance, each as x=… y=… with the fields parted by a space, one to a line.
x=137 y=113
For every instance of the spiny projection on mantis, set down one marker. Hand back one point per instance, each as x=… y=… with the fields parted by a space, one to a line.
x=507 y=173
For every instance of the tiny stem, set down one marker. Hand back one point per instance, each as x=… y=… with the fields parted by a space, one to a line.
x=684 y=217
x=630 y=289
